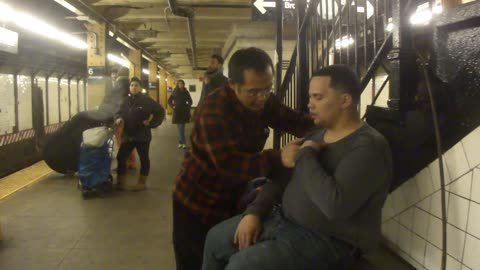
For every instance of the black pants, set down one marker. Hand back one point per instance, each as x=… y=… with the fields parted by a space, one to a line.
x=142 y=150
x=188 y=238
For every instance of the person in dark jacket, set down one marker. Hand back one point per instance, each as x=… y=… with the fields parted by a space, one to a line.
x=214 y=77
x=181 y=102
x=139 y=114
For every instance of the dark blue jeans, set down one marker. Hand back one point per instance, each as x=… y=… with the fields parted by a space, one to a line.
x=282 y=245
x=181 y=133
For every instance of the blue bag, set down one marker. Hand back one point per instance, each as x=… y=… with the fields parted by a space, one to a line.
x=94 y=166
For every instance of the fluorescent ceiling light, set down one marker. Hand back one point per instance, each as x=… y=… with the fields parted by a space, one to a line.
x=146 y=71
x=118 y=60
x=147 y=58
x=37 y=26
x=158 y=76
x=124 y=43
x=68 y=6
x=110 y=33
x=144 y=90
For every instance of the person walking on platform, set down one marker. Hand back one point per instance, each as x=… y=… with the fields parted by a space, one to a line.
x=181 y=102
x=231 y=126
x=139 y=114
x=213 y=77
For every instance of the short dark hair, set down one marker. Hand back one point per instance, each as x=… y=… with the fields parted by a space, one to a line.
x=135 y=79
x=114 y=70
x=218 y=57
x=342 y=79
x=249 y=58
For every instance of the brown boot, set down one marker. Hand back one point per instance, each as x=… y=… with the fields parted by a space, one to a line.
x=121 y=182
x=142 y=180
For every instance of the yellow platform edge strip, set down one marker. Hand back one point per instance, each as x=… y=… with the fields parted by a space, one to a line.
x=23 y=178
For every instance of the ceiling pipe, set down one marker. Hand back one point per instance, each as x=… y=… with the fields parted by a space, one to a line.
x=172 y=4
x=82 y=9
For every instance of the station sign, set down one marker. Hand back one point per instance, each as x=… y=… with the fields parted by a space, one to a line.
x=96 y=72
x=8 y=41
x=264 y=10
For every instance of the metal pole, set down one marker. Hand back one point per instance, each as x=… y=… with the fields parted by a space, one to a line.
x=302 y=94
x=278 y=74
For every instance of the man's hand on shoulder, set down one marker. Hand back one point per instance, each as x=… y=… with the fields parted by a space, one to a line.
x=315 y=145
x=248 y=231
x=289 y=153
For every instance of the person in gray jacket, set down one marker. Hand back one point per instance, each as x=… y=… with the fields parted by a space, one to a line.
x=331 y=196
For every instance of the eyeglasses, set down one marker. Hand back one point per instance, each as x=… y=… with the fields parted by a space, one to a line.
x=256 y=94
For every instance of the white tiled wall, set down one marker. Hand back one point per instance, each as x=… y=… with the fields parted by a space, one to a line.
x=24 y=102
x=412 y=214
x=73 y=97
x=53 y=100
x=64 y=103
x=7 y=109
x=81 y=96
x=41 y=82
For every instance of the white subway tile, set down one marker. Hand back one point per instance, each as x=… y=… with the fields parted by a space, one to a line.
x=455 y=242
x=410 y=192
x=420 y=222
x=433 y=257
x=475 y=196
x=453 y=264
x=456 y=161
x=418 y=249
x=426 y=204
x=462 y=186
x=390 y=231
x=387 y=210
x=435 y=171
x=434 y=234
x=424 y=183
x=404 y=239
x=472 y=249
x=457 y=211
x=399 y=200
x=474 y=220
x=406 y=218
x=472 y=143
x=436 y=207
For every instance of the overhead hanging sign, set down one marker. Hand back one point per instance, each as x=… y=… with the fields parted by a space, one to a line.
x=264 y=10
x=8 y=41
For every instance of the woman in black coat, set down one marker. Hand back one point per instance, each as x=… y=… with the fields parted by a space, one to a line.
x=139 y=114
x=181 y=102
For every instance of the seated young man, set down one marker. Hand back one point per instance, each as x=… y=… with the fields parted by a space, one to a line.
x=330 y=205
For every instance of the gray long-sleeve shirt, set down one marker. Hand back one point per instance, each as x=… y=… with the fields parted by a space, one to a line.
x=339 y=191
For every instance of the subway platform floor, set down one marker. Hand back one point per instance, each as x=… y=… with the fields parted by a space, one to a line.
x=47 y=224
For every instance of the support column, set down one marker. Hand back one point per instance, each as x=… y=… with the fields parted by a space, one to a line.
x=153 y=81
x=135 y=57
x=163 y=88
x=448 y=4
x=97 y=64
x=170 y=85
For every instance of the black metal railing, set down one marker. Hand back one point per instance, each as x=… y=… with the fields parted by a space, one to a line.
x=357 y=33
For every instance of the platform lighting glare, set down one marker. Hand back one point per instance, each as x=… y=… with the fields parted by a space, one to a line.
x=145 y=71
x=389 y=27
x=144 y=90
x=158 y=77
x=39 y=27
x=118 y=60
x=344 y=42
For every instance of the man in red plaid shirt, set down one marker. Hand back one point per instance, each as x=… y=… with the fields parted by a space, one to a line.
x=231 y=126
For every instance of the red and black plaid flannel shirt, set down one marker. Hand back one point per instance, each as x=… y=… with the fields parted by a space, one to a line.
x=226 y=153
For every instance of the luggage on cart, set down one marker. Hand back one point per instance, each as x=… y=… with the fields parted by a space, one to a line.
x=62 y=150
x=94 y=167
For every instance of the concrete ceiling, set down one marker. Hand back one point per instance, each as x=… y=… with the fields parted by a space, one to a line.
x=166 y=36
